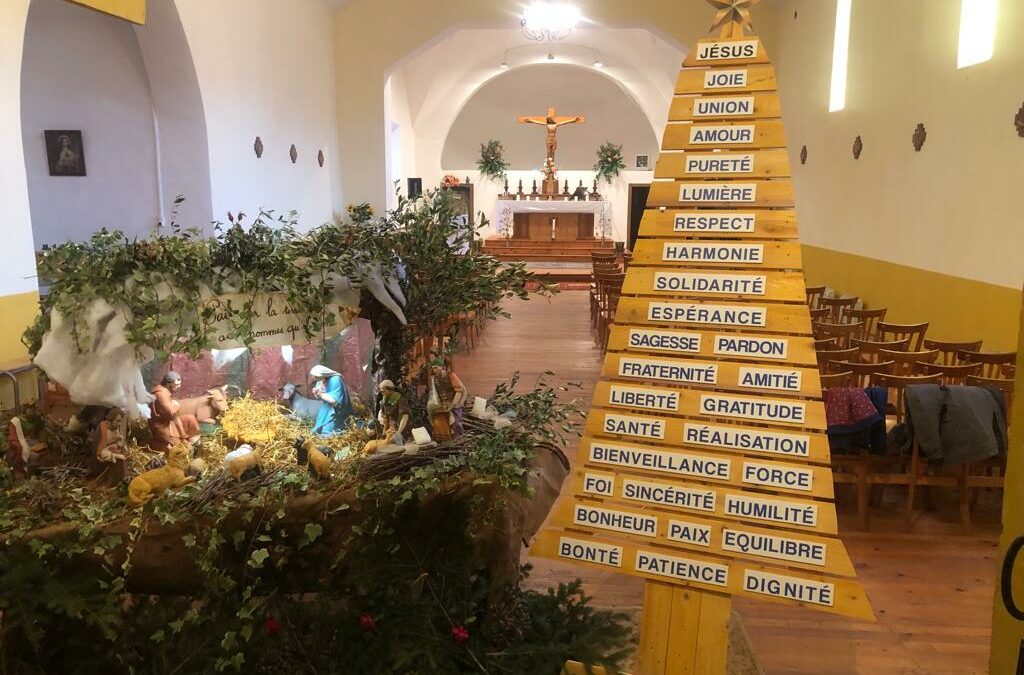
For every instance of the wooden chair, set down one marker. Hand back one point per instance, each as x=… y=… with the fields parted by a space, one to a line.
x=862 y=372
x=908 y=363
x=992 y=362
x=869 y=317
x=826 y=355
x=834 y=380
x=602 y=277
x=869 y=348
x=826 y=343
x=836 y=307
x=609 y=303
x=951 y=374
x=1002 y=384
x=918 y=473
x=949 y=352
x=897 y=385
x=902 y=331
x=814 y=293
x=842 y=332
x=819 y=313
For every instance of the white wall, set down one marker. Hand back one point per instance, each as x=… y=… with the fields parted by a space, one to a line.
x=493 y=112
x=951 y=208
x=17 y=263
x=266 y=68
x=396 y=112
x=83 y=70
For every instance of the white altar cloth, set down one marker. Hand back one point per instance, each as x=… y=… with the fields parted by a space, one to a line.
x=507 y=208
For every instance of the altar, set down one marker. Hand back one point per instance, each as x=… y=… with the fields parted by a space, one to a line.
x=537 y=220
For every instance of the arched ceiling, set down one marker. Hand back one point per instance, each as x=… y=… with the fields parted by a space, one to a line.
x=611 y=115
x=441 y=78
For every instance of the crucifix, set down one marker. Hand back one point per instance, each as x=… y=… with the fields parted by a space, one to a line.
x=551 y=122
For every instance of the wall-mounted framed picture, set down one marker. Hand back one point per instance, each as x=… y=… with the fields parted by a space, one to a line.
x=65 y=153
x=643 y=162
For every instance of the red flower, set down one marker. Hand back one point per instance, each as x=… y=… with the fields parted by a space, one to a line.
x=272 y=625
x=367 y=622
x=460 y=634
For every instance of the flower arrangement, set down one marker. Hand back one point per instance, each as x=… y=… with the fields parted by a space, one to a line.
x=360 y=213
x=492 y=162
x=609 y=161
x=450 y=181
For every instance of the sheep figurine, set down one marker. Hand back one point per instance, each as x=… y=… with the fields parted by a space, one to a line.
x=154 y=482
x=244 y=460
x=307 y=454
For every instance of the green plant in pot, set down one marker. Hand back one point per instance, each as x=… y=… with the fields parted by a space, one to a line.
x=492 y=163
x=609 y=161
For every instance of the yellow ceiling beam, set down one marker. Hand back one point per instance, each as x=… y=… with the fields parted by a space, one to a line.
x=130 y=10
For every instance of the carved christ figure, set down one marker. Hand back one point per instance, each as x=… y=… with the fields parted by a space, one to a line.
x=552 y=121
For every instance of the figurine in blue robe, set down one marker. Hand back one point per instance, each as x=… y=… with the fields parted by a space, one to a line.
x=336 y=406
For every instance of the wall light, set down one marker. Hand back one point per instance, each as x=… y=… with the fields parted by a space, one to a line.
x=598 y=63
x=977 y=31
x=504 y=65
x=549 y=21
x=840 y=56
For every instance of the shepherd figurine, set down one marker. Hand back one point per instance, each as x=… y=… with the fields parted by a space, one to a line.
x=447 y=395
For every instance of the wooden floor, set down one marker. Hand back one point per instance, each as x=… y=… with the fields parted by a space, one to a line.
x=932 y=589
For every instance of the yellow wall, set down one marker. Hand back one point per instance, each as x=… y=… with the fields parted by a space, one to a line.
x=945 y=221
x=957 y=309
x=18 y=311
x=1007 y=632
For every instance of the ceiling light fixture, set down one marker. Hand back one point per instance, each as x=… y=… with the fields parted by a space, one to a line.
x=551 y=56
x=504 y=65
x=598 y=63
x=549 y=21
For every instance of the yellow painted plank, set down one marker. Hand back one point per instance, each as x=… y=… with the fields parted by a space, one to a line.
x=690 y=108
x=726 y=80
x=703 y=572
x=713 y=653
x=737 y=194
x=736 y=164
x=643 y=455
x=777 y=410
x=741 y=542
x=740 y=436
x=743 y=135
x=774 y=318
x=699 y=283
x=745 y=378
x=718 y=254
x=745 y=346
x=655 y=627
x=685 y=635
x=131 y=10
x=740 y=224
x=706 y=501
x=711 y=51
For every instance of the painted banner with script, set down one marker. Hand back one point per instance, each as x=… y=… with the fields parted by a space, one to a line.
x=704 y=461
x=275 y=323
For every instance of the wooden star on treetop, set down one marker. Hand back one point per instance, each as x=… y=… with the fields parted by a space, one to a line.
x=733 y=16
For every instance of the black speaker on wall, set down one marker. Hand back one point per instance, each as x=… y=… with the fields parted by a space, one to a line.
x=415 y=187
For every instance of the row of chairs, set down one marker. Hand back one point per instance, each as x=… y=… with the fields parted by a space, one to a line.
x=858 y=348
x=605 y=291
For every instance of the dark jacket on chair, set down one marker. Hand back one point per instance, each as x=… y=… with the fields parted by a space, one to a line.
x=957 y=425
